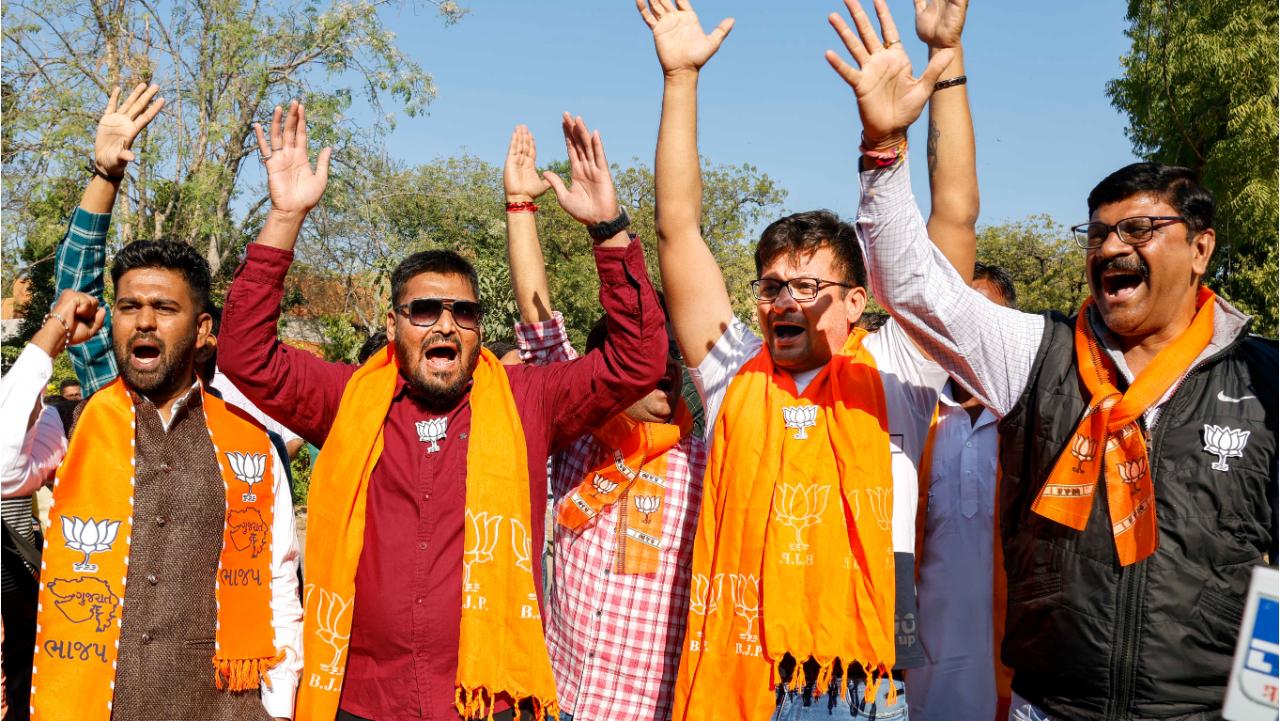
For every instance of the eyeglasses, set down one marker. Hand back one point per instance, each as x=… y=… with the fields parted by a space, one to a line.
x=802 y=289
x=1134 y=231
x=426 y=312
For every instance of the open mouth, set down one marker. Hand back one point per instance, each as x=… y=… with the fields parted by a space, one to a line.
x=144 y=354
x=784 y=331
x=441 y=356
x=1120 y=285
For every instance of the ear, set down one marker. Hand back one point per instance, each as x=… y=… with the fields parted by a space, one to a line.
x=391 y=326
x=1202 y=246
x=855 y=301
x=204 y=331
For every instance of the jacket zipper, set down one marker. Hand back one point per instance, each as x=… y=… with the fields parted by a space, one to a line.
x=1124 y=677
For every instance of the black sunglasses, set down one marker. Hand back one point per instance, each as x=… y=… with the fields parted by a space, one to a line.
x=426 y=312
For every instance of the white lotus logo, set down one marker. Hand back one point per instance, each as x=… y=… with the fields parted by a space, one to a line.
x=431 y=431
x=249 y=468
x=882 y=506
x=704 y=596
x=88 y=537
x=602 y=486
x=799 y=507
x=1083 y=448
x=800 y=418
x=1225 y=443
x=746 y=603
x=479 y=545
x=648 y=505
x=332 y=612
x=520 y=544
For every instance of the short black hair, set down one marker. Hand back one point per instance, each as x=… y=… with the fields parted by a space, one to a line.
x=68 y=383
x=1174 y=184
x=1000 y=278
x=443 y=262
x=804 y=233
x=500 y=347
x=375 y=341
x=166 y=255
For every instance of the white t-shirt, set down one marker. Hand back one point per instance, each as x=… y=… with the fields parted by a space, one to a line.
x=911 y=384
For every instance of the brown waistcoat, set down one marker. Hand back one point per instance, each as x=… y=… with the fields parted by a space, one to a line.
x=165 y=666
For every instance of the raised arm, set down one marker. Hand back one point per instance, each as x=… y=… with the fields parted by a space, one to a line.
x=523 y=186
x=986 y=347
x=82 y=256
x=286 y=383
x=953 y=172
x=697 y=300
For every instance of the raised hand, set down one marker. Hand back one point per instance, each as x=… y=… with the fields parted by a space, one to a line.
x=520 y=179
x=678 y=36
x=889 y=98
x=293 y=186
x=75 y=315
x=592 y=198
x=940 y=22
x=120 y=125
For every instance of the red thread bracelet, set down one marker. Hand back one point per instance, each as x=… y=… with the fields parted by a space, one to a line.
x=522 y=207
x=884 y=158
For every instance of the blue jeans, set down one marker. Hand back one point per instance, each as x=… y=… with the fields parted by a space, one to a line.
x=796 y=705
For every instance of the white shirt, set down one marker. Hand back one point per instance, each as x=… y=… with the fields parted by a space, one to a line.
x=956 y=570
x=911 y=382
x=28 y=459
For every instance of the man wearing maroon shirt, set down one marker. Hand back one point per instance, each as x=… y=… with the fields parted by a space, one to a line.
x=403 y=652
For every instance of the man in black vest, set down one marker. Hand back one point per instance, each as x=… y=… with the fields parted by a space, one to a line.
x=1134 y=615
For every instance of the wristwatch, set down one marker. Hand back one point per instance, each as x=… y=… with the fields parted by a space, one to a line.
x=610 y=228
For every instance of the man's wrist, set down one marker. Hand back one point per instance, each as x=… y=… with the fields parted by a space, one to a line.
x=519 y=198
x=51 y=338
x=681 y=76
x=884 y=143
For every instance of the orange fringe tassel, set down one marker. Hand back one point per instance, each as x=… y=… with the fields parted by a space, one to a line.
x=478 y=703
x=244 y=674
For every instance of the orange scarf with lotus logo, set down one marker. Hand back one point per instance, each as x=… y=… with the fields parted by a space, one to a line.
x=635 y=473
x=793 y=553
x=86 y=559
x=1111 y=423
x=500 y=649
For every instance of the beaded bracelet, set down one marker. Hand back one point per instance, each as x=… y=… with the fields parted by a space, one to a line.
x=522 y=207
x=950 y=82
x=66 y=328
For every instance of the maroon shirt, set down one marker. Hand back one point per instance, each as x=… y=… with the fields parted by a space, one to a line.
x=403 y=655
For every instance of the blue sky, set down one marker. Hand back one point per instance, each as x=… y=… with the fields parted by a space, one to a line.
x=1037 y=73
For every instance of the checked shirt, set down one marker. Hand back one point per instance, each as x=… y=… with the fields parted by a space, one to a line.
x=81 y=262
x=615 y=639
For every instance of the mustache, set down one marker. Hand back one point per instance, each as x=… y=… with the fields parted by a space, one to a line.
x=137 y=338
x=1122 y=263
x=439 y=339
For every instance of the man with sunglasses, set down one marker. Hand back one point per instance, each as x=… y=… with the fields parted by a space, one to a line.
x=422 y=598
x=792 y=468
x=1138 y=438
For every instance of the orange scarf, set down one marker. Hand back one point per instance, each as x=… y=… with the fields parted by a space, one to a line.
x=500 y=650
x=635 y=473
x=793 y=553
x=1111 y=423
x=86 y=558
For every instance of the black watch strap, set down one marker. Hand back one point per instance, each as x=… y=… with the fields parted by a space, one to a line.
x=610 y=228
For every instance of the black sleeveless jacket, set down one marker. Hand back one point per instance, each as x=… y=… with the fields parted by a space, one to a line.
x=1089 y=640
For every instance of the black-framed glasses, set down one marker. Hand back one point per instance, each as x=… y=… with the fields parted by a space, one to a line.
x=802 y=289
x=426 y=312
x=1134 y=231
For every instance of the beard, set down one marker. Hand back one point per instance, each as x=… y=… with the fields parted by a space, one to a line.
x=169 y=373
x=438 y=391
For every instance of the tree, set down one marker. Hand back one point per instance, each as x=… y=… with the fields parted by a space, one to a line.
x=221 y=64
x=1200 y=89
x=1046 y=264
x=369 y=222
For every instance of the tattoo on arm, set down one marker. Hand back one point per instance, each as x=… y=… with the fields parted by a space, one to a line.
x=931 y=148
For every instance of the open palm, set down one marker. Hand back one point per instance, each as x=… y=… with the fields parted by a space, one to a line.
x=678 y=36
x=520 y=179
x=939 y=23
x=889 y=98
x=120 y=125
x=291 y=183
x=591 y=199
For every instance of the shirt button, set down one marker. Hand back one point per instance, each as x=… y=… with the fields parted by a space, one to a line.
x=422 y=545
x=165 y=467
x=426 y=496
x=598 y=612
x=462 y=436
x=419 y=600
x=160 y=520
x=146 y=638
x=151 y=579
x=968 y=444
